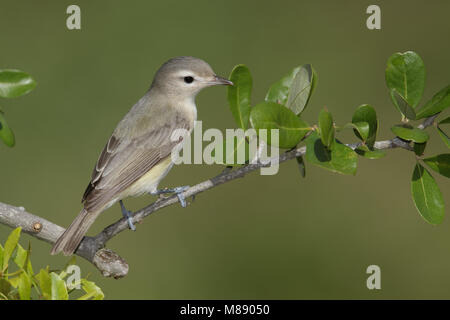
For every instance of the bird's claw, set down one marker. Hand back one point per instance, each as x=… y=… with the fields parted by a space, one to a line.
x=127 y=215
x=177 y=190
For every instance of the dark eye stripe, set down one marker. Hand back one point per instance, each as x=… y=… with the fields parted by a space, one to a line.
x=188 y=79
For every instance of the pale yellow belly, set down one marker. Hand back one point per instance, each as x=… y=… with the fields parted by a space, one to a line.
x=149 y=181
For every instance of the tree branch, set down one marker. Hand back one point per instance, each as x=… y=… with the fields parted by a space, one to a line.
x=110 y=263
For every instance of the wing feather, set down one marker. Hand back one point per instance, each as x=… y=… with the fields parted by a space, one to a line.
x=123 y=161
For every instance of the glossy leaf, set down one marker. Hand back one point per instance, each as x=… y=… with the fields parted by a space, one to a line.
x=92 y=291
x=370 y=154
x=440 y=164
x=444 y=137
x=402 y=105
x=426 y=195
x=301 y=89
x=269 y=115
x=6 y=133
x=5 y=288
x=326 y=128
x=22 y=259
x=301 y=166
x=59 y=289
x=10 y=245
x=14 y=281
x=239 y=95
x=410 y=134
x=362 y=128
x=419 y=148
x=15 y=83
x=279 y=91
x=24 y=286
x=405 y=73
x=445 y=121
x=45 y=284
x=366 y=113
x=438 y=103
x=340 y=158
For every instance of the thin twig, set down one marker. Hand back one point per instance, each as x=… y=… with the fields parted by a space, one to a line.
x=111 y=264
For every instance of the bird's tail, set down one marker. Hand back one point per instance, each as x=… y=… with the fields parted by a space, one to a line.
x=69 y=241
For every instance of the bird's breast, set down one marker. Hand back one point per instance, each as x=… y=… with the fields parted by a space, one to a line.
x=149 y=181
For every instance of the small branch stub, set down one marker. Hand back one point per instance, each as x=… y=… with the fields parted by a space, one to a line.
x=37 y=226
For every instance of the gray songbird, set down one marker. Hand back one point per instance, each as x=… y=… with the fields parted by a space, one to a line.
x=138 y=153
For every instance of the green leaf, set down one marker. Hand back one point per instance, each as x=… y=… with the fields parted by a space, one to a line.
x=405 y=73
x=15 y=83
x=426 y=195
x=5 y=288
x=1 y=256
x=239 y=95
x=402 y=105
x=59 y=289
x=279 y=91
x=410 y=134
x=301 y=89
x=6 y=133
x=301 y=166
x=340 y=159
x=45 y=283
x=445 y=121
x=92 y=291
x=444 y=137
x=10 y=245
x=419 y=148
x=361 y=129
x=326 y=128
x=370 y=154
x=22 y=259
x=440 y=164
x=438 y=103
x=24 y=286
x=366 y=113
x=14 y=281
x=269 y=115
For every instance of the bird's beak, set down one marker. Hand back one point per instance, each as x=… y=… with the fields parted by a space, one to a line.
x=222 y=81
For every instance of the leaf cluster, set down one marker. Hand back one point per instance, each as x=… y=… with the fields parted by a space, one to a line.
x=13 y=84
x=287 y=99
x=18 y=281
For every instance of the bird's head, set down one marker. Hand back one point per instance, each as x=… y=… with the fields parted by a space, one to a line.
x=186 y=76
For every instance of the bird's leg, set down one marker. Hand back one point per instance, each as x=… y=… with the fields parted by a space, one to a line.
x=178 y=191
x=127 y=215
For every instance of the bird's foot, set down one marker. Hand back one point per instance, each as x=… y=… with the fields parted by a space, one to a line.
x=127 y=215
x=177 y=190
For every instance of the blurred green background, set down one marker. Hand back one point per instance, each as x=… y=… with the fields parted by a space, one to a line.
x=276 y=237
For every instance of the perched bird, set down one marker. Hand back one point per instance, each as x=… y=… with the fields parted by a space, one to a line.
x=138 y=153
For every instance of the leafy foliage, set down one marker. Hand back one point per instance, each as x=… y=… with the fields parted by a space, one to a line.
x=23 y=284
x=13 y=84
x=239 y=95
x=269 y=115
x=410 y=134
x=405 y=73
x=326 y=128
x=438 y=103
x=366 y=114
x=340 y=158
x=295 y=89
x=287 y=99
x=427 y=196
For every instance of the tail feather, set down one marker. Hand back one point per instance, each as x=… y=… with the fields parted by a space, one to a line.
x=69 y=241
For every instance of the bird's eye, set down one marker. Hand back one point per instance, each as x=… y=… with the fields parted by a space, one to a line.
x=188 y=79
